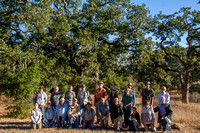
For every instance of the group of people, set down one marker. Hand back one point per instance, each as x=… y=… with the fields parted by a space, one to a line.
x=73 y=110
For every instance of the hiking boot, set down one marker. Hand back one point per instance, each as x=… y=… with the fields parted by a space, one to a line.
x=174 y=126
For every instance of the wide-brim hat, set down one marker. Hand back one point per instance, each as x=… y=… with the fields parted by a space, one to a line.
x=101 y=82
x=148 y=82
x=62 y=99
x=130 y=84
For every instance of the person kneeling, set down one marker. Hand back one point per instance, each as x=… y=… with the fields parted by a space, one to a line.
x=103 y=113
x=49 y=116
x=148 y=116
x=61 y=114
x=134 y=120
x=36 y=117
x=74 y=113
x=88 y=116
x=117 y=114
x=165 y=114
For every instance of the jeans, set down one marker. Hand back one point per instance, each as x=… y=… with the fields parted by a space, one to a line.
x=49 y=125
x=165 y=125
x=88 y=124
x=133 y=125
x=127 y=113
x=80 y=118
x=75 y=124
x=62 y=123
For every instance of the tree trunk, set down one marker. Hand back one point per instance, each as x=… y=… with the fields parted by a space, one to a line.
x=78 y=83
x=185 y=89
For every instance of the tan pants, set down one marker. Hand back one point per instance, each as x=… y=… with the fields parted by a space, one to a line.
x=104 y=123
x=34 y=126
x=120 y=120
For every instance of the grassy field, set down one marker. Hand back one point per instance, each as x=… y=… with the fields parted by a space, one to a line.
x=186 y=116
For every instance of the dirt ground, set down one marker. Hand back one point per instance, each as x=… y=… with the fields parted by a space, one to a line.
x=186 y=116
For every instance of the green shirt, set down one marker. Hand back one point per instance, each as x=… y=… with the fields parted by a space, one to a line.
x=126 y=100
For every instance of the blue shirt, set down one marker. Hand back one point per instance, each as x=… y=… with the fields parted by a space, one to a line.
x=126 y=100
x=162 y=110
x=103 y=109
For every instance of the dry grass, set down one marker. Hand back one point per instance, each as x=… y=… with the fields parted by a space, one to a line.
x=186 y=116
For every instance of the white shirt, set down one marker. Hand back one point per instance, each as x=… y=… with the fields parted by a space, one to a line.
x=166 y=95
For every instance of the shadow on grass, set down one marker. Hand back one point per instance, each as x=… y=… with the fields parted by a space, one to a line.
x=15 y=125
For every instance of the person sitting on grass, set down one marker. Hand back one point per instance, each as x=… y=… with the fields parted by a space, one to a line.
x=74 y=114
x=49 y=116
x=36 y=117
x=61 y=114
x=88 y=115
x=103 y=111
x=134 y=120
x=148 y=116
x=165 y=115
x=117 y=114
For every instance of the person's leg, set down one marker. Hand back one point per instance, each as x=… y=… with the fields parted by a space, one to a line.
x=125 y=117
x=116 y=123
x=106 y=122
x=165 y=125
x=153 y=129
x=101 y=123
x=40 y=125
x=53 y=125
x=70 y=122
x=46 y=125
x=33 y=125
x=42 y=109
x=84 y=125
x=65 y=122
x=120 y=121
x=97 y=106
x=146 y=127
x=76 y=123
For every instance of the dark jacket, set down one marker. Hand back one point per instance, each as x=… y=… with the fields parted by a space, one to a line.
x=111 y=99
x=136 y=116
x=55 y=98
x=117 y=111
x=168 y=110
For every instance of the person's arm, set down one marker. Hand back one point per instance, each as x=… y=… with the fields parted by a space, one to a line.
x=142 y=118
x=45 y=99
x=156 y=109
x=152 y=101
x=40 y=117
x=169 y=111
x=32 y=117
x=168 y=98
x=45 y=117
x=34 y=98
x=78 y=112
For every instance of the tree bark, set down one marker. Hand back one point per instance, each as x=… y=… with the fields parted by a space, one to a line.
x=185 y=89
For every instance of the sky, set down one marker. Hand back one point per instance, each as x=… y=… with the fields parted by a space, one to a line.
x=167 y=6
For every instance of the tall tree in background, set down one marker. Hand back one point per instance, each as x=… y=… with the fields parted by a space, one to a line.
x=170 y=29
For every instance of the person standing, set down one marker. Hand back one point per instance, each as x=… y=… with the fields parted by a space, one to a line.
x=98 y=94
x=36 y=117
x=62 y=114
x=117 y=114
x=131 y=92
x=55 y=97
x=83 y=98
x=148 y=94
x=49 y=116
x=111 y=98
x=69 y=96
x=165 y=94
x=103 y=111
x=74 y=114
x=40 y=97
x=88 y=116
x=126 y=101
